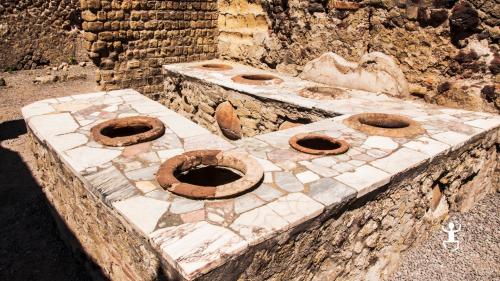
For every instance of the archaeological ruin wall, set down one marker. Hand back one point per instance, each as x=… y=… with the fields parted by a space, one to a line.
x=131 y=40
x=448 y=50
x=36 y=33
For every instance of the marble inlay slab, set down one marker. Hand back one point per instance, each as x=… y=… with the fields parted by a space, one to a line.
x=196 y=248
x=142 y=211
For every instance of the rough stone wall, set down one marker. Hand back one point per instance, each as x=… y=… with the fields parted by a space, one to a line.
x=120 y=252
x=198 y=101
x=363 y=240
x=35 y=33
x=448 y=49
x=131 y=40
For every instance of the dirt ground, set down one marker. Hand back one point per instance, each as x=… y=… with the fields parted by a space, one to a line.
x=30 y=248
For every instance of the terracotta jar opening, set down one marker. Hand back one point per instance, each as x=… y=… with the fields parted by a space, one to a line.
x=257 y=79
x=389 y=125
x=324 y=93
x=216 y=66
x=387 y=122
x=318 y=144
x=128 y=131
x=209 y=174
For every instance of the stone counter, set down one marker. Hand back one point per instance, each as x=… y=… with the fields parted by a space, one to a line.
x=312 y=217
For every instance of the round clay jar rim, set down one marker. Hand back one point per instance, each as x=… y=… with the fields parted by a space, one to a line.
x=215 y=66
x=249 y=167
x=413 y=129
x=157 y=129
x=269 y=79
x=294 y=142
x=304 y=91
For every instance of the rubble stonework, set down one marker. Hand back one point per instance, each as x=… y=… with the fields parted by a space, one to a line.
x=131 y=40
x=428 y=39
x=36 y=33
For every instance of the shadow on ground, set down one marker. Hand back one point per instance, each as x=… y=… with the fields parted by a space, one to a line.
x=30 y=245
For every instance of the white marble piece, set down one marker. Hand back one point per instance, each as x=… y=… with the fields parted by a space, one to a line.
x=110 y=184
x=35 y=109
x=146 y=186
x=159 y=194
x=182 y=205
x=183 y=127
x=196 y=248
x=246 y=202
x=451 y=138
x=485 y=124
x=380 y=142
x=330 y=192
x=146 y=106
x=287 y=181
x=267 y=165
x=148 y=157
x=207 y=141
x=296 y=208
x=258 y=224
x=267 y=192
x=91 y=157
x=326 y=161
x=64 y=142
x=113 y=101
x=401 y=160
x=307 y=177
x=268 y=177
x=364 y=179
x=143 y=174
x=169 y=153
x=142 y=211
x=427 y=146
x=72 y=106
x=53 y=124
x=111 y=108
x=343 y=167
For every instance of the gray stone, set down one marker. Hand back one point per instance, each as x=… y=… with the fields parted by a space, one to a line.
x=288 y=182
x=111 y=185
x=267 y=193
x=330 y=192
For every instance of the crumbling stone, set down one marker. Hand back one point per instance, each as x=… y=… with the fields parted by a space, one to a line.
x=463 y=21
x=375 y=72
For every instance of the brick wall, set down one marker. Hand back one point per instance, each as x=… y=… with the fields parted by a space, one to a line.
x=131 y=40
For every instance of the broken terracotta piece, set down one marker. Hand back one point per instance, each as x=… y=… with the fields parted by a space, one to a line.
x=228 y=121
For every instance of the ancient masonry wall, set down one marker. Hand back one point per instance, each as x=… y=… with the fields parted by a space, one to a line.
x=35 y=33
x=131 y=40
x=198 y=101
x=448 y=50
x=120 y=252
x=356 y=241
